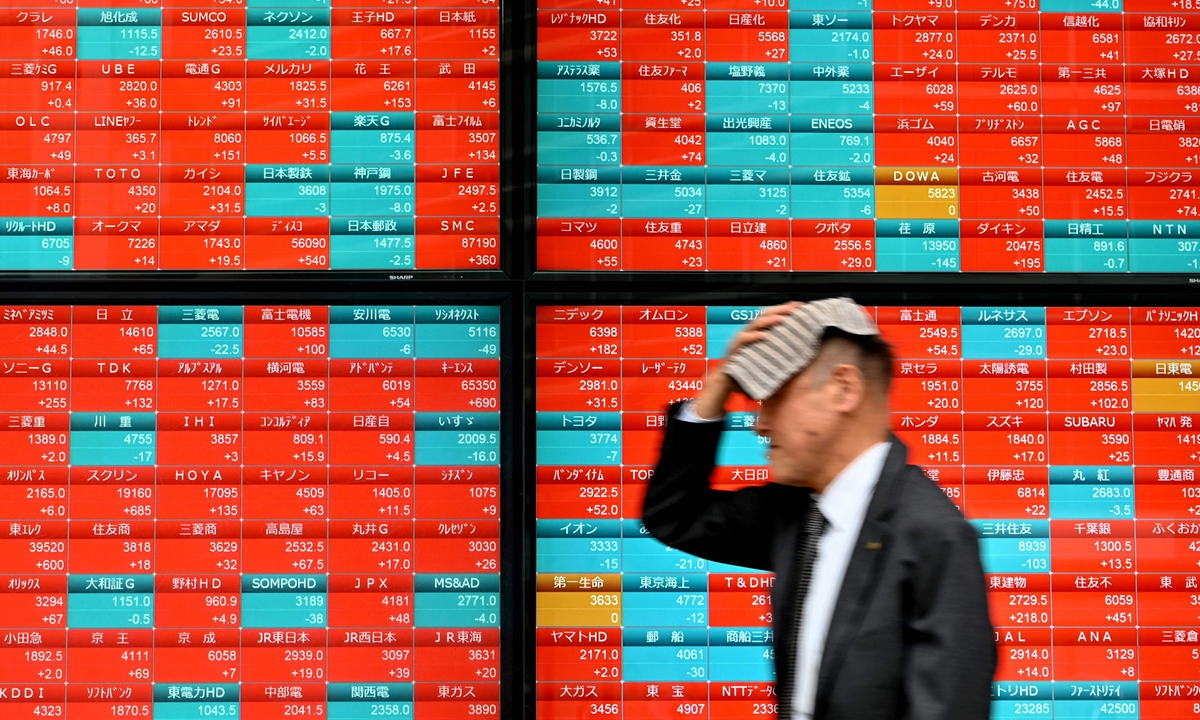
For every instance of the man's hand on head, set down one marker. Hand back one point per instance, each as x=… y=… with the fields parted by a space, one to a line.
x=719 y=386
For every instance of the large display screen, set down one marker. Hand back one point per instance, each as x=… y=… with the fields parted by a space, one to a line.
x=1067 y=435
x=249 y=135
x=275 y=511
x=868 y=135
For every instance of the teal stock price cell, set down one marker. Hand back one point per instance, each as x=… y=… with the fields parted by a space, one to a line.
x=579 y=88
x=580 y=191
x=288 y=34
x=364 y=701
x=746 y=89
x=110 y=602
x=760 y=193
x=456 y=601
x=119 y=34
x=296 y=191
x=563 y=547
x=741 y=655
x=1009 y=333
x=285 y=601
x=1164 y=246
x=675 y=192
x=37 y=243
x=208 y=331
x=376 y=138
x=380 y=243
x=748 y=141
x=574 y=140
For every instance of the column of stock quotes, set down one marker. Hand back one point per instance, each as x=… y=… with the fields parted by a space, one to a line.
x=868 y=135
x=249 y=134
x=249 y=512
x=1067 y=436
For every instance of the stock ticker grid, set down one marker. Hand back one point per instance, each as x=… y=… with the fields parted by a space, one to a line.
x=249 y=134
x=869 y=135
x=249 y=512
x=1069 y=437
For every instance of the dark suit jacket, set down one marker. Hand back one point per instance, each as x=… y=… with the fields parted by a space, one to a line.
x=910 y=637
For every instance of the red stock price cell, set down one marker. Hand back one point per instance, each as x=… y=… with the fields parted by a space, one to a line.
x=644 y=700
x=662 y=86
x=212 y=441
x=183 y=548
x=216 y=659
x=457 y=547
x=1023 y=653
x=641 y=439
x=996 y=493
x=386 y=547
x=447 y=702
x=387 y=659
x=740 y=600
x=1077 y=604
x=1097 y=653
x=842 y=245
x=445 y=492
x=464 y=659
x=211 y=492
x=734 y=245
x=377 y=600
x=268 y=658
x=201 y=600
x=387 y=441
x=35 y=602
x=376 y=492
x=45 y=662
x=575 y=655
x=110 y=656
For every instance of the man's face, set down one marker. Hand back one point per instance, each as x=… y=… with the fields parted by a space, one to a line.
x=801 y=420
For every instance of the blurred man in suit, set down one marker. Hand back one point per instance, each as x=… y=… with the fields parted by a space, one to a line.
x=880 y=607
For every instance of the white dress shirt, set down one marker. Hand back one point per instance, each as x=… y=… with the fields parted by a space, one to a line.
x=844 y=504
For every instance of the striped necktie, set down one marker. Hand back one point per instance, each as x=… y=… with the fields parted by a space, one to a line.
x=806 y=556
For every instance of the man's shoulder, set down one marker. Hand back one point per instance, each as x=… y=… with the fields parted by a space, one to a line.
x=922 y=505
x=776 y=499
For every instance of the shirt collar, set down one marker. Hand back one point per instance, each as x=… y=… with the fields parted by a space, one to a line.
x=844 y=500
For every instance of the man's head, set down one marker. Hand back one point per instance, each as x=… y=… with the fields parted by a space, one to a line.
x=823 y=375
x=823 y=417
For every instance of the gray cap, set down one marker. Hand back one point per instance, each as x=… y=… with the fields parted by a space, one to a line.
x=761 y=368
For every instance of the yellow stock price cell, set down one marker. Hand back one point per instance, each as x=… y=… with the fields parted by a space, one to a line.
x=1166 y=386
x=568 y=600
x=916 y=192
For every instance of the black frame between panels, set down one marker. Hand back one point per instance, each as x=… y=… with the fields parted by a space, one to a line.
x=518 y=288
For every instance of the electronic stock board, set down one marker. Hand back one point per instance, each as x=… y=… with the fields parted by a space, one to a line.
x=178 y=545
x=1005 y=136
x=273 y=511
x=1066 y=435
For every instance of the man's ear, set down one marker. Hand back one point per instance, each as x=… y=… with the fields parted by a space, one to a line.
x=849 y=387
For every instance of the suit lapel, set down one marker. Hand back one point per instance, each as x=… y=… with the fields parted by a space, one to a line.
x=860 y=581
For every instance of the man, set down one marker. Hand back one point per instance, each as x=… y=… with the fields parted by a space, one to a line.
x=880 y=607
